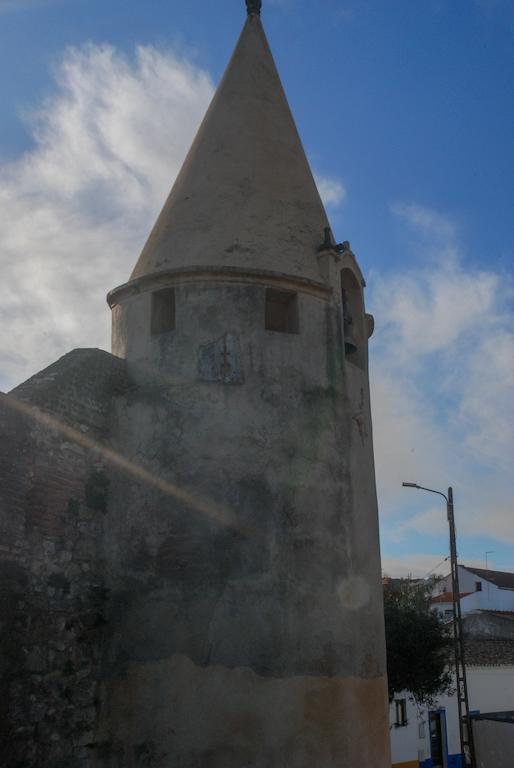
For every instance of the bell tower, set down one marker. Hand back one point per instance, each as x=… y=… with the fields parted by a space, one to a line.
x=246 y=620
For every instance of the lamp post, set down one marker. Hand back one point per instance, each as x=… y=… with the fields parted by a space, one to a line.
x=466 y=733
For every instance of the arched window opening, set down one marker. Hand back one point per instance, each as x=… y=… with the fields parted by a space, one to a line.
x=353 y=319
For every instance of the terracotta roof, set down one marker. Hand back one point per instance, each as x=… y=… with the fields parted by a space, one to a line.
x=489 y=653
x=502 y=579
x=447 y=597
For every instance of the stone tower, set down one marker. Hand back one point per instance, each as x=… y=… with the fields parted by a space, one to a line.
x=244 y=565
x=189 y=560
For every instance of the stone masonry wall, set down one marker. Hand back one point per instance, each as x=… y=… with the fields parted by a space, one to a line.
x=53 y=495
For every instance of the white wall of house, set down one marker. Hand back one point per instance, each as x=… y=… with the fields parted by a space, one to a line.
x=480 y=601
x=490 y=597
x=408 y=741
x=491 y=689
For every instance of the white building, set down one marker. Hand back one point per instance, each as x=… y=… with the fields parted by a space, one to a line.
x=430 y=737
x=480 y=589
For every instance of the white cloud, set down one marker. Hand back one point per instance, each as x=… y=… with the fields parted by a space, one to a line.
x=442 y=380
x=332 y=191
x=419 y=566
x=415 y=565
x=75 y=210
x=432 y=521
x=426 y=221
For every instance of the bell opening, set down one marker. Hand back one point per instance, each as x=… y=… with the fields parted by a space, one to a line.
x=353 y=312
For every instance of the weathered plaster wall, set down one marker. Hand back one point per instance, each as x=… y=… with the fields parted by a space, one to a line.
x=243 y=551
x=53 y=495
x=217 y=717
x=194 y=553
x=489 y=625
x=494 y=743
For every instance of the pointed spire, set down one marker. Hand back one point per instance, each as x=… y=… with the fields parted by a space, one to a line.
x=245 y=196
x=253 y=6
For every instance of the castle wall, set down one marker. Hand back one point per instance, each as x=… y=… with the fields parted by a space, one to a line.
x=246 y=622
x=191 y=556
x=53 y=495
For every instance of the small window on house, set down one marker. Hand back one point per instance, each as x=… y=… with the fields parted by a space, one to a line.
x=163 y=311
x=478 y=586
x=401 y=712
x=281 y=311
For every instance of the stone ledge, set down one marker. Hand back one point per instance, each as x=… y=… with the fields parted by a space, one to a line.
x=219 y=275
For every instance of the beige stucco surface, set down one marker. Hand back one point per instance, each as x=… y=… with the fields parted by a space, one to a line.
x=225 y=718
x=245 y=195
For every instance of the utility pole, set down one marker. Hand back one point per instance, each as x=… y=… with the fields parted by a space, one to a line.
x=465 y=728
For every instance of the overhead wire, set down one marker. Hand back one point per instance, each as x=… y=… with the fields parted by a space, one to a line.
x=435 y=567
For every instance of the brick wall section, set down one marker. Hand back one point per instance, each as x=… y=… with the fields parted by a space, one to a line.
x=53 y=495
x=78 y=387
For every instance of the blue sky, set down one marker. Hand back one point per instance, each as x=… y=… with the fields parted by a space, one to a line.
x=406 y=112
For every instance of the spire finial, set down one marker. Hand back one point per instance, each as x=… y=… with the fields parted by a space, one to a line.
x=254 y=6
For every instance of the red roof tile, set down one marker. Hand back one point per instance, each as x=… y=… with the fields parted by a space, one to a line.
x=447 y=597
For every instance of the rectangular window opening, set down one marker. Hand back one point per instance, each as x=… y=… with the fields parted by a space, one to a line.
x=478 y=586
x=401 y=712
x=281 y=311
x=163 y=311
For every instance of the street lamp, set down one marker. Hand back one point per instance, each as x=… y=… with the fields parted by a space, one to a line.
x=466 y=734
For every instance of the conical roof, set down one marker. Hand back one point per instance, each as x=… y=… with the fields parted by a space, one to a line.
x=245 y=196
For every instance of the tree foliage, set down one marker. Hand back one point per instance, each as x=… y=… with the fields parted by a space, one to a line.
x=419 y=644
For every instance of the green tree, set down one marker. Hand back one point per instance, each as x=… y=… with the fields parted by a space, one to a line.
x=419 y=644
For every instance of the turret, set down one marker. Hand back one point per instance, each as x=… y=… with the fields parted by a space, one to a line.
x=252 y=632
x=245 y=203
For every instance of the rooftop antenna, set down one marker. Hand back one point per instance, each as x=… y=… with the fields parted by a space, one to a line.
x=254 y=7
x=489 y=552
